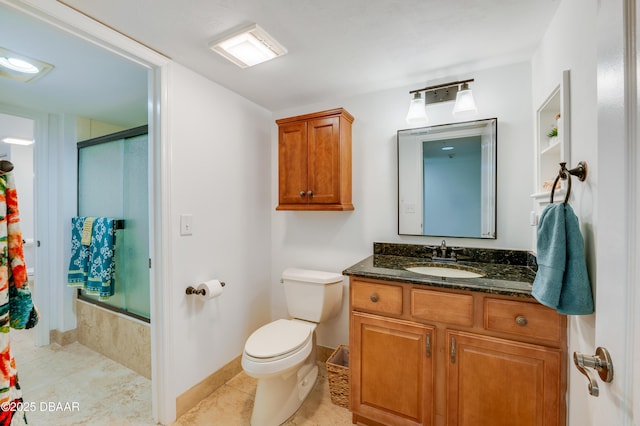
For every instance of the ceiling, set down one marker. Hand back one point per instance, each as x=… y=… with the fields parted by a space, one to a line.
x=336 y=48
x=87 y=80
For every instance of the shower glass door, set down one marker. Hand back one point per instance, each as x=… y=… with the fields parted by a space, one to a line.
x=113 y=182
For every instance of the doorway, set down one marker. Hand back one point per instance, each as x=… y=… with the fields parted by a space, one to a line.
x=95 y=91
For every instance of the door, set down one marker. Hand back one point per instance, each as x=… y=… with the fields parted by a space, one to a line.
x=616 y=237
x=392 y=370
x=324 y=160
x=497 y=382
x=292 y=163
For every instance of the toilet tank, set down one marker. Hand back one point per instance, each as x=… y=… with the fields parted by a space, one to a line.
x=312 y=295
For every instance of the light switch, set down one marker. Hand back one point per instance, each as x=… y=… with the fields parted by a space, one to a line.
x=186 y=224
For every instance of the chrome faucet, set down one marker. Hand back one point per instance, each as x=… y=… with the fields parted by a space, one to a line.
x=443 y=249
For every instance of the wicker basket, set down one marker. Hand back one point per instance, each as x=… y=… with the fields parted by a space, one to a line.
x=338 y=375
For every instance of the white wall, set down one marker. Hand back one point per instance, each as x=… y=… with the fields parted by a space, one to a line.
x=570 y=43
x=333 y=241
x=220 y=147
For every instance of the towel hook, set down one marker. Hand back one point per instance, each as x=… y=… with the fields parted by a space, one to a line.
x=580 y=171
x=5 y=166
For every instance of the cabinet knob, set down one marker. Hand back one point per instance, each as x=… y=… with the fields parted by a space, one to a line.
x=302 y=193
x=521 y=320
x=374 y=298
x=310 y=193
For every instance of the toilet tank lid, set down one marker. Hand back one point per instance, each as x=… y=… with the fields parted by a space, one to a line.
x=308 y=275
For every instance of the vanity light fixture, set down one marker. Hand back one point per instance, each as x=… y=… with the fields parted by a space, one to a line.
x=247 y=46
x=417 y=112
x=18 y=141
x=19 y=67
x=456 y=90
x=465 y=105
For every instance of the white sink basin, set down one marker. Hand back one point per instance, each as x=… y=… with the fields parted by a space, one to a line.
x=443 y=271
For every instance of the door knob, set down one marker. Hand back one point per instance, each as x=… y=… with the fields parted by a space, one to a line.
x=601 y=362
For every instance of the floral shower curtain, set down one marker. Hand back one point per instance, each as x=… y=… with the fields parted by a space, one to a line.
x=16 y=307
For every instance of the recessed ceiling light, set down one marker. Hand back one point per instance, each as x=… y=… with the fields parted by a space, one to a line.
x=20 y=67
x=248 y=46
x=18 y=141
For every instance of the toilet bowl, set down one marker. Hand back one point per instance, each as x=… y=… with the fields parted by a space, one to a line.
x=284 y=366
x=277 y=347
x=282 y=354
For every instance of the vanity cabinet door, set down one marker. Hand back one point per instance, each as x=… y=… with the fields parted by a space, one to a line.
x=497 y=382
x=392 y=370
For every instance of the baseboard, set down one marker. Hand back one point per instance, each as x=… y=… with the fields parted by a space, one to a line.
x=63 y=337
x=206 y=387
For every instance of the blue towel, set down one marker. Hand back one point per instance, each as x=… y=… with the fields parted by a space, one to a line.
x=562 y=281
x=102 y=258
x=78 y=270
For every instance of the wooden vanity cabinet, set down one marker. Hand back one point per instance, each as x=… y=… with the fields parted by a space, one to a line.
x=314 y=161
x=430 y=356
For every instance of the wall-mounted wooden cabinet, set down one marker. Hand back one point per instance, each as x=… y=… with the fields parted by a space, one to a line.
x=314 y=161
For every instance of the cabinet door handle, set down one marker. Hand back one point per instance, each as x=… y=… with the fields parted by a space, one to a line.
x=310 y=193
x=302 y=193
x=374 y=297
x=453 y=350
x=428 y=345
x=521 y=320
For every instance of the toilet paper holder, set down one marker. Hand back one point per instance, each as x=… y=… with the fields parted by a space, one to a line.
x=202 y=292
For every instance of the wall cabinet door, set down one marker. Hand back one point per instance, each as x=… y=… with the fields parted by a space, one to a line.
x=292 y=161
x=497 y=382
x=324 y=161
x=392 y=370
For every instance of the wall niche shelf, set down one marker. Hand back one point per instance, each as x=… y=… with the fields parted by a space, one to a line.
x=554 y=113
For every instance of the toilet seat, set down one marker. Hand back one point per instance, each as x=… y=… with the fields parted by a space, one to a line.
x=278 y=339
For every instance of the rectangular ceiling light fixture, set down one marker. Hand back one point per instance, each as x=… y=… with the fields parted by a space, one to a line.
x=248 y=46
x=18 y=141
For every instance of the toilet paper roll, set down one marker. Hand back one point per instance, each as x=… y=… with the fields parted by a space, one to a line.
x=211 y=288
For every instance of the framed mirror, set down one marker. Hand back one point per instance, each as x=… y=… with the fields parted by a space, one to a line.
x=447 y=180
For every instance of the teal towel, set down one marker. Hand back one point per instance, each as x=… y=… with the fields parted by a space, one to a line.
x=102 y=258
x=78 y=266
x=562 y=281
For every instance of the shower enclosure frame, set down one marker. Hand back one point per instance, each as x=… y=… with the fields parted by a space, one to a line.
x=124 y=134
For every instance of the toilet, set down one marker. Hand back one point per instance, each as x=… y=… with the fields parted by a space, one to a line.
x=282 y=354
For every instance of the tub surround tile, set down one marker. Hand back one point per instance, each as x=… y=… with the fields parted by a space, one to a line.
x=126 y=341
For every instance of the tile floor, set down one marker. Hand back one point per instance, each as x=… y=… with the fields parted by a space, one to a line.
x=73 y=385
x=231 y=405
x=100 y=392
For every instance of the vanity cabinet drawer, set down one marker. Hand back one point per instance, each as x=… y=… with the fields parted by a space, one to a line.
x=521 y=318
x=381 y=298
x=450 y=308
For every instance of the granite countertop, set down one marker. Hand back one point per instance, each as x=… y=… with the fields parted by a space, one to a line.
x=513 y=278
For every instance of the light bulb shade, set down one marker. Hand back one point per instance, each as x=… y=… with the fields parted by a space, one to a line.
x=417 y=111
x=465 y=105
